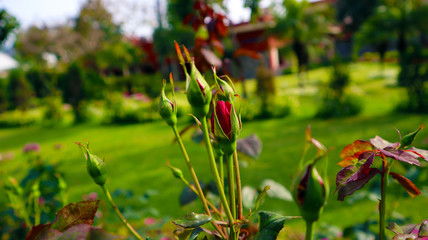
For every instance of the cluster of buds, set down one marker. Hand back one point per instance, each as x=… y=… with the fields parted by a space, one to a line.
x=225 y=122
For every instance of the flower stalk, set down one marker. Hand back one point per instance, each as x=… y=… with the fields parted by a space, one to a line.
x=116 y=209
x=216 y=175
x=382 y=204
x=238 y=185
x=199 y=191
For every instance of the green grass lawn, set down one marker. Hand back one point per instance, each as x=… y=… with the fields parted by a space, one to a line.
x=136 y=154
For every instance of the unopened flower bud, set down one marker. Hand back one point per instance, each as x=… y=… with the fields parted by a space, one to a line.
x=310 y=193
x=176 y=171
x=167 y=109
x=94 y=165
x=226 y=126
x=198 y=91
x=225 y=89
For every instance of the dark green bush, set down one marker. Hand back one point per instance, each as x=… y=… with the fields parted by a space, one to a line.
x=335 y=102
x=332 y=107
x=19 y=90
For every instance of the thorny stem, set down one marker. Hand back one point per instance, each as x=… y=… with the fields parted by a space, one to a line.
x=382 y=205
x=238 y=184
x=231 y=178
x=113 y=205
x=216 y=176
x=200 y=193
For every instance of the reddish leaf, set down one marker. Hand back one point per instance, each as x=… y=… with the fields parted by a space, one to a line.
x=420 y=153
x=400 y=155
x=74 y=214
x=347 y=162
x=355 y=172
x=381 y=143
x=37 y=232
x=355 y=147
x=410 y=187
x=351 y=187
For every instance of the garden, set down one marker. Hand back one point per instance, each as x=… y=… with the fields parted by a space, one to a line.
x=324 y=149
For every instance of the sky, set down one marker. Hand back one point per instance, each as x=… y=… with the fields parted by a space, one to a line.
x=137 y=16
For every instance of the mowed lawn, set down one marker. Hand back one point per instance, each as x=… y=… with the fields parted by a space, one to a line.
x=136 y=154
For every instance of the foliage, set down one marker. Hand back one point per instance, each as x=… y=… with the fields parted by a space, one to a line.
x=35 y=198
x=414 y=75
x=121 y=109
x=74 y=221
x=265 y=86
x=354 y=13
x=335 y=103
x=18 y=117
x=252 y=109
x=358 y=169
x=19 y=90
x=8 y=24
x=305 y=25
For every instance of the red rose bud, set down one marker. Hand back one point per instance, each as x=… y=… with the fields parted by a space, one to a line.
x=167 y=109
x=310 y=193
x=226 y=126
x=94 y=165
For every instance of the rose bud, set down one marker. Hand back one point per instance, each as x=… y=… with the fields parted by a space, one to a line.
x=167 y=109
x=225 y=90
x=198 y=91
x=310 y=193
x=226 y=126
x=94 y=165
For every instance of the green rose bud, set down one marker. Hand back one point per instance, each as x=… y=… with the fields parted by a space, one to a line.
x=94 y=165
x=198 y=91
x=310 y=193
x=175 y=171
x=225 y=90
x=167 y=109
x=408 y=139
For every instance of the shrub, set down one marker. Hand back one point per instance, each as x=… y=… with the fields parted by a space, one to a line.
x=332 y=107
x=120 y=109
x=18 y=117
x=252 y=109
x=19 y=90
x=335 y=103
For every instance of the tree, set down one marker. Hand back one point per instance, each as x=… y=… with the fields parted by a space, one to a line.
x=304 y=24
x=377 y=31
x=19 y=90
x=8 y=24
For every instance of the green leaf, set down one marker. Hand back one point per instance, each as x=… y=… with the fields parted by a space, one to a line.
x=192 y=220
x=74 y=214
x=270 y=224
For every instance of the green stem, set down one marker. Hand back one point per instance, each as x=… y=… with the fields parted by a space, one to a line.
x=200 y=193
x=309 y=230
x=116 y=209
x=215 y=174
x=231 y=178
x=238 y=184
x=382 y=207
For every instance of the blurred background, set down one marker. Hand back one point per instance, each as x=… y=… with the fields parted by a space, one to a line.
x=77 y=70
